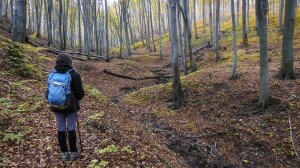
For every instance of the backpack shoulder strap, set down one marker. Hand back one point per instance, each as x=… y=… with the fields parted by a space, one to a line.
x=51 y=74
x=70 y=70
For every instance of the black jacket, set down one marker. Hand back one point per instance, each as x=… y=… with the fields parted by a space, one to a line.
x=76 y=88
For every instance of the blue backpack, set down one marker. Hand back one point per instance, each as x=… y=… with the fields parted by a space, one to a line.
x=59 y=90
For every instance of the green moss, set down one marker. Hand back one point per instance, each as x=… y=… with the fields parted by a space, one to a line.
x=162 y=112
x=19 y=62
x=16 y=137
x=108 y=149
x=96 y=164
x=94 y=92
x=95 y=119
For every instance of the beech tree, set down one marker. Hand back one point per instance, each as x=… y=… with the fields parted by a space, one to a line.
x=204 y=15
x=106 y=32
x=210 y=21
x=280 y=15
x=38 y=14
x=261 y=8
x=195 y=21
x=19 y=22
x=178 y=94
x=1 y=4
x=287 y=64
x=217 y=27
x=235 y=55
x=244 y=11
x=159 y=26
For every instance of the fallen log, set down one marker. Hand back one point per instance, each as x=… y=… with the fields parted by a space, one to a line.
x=94 y=57
x=206 y=45
x=133 y=78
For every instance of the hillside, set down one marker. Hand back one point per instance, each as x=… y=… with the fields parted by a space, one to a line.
x=128 y=122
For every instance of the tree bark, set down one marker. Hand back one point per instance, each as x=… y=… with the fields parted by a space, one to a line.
x=121 y=31
x=280 y=15
x=178 y=94
x=79 y=26
x=1 y=4
x=195 y=21
x=38 y=12
x=210 y=21
x=244 y=11
x=19 y=28
x=235 y=56
x=127 y=42
x=262 y=14
x=238 y=13
x=287 y=64
x=60 y=26
x=151 y=23
x=216 y=38
x=159 y=27
x=188 y=34
x=204 y=15
x=106 y=32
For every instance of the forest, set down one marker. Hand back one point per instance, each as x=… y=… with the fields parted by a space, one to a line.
x=168 y=83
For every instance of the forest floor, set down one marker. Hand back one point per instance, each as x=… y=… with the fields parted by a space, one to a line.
x=128 y=123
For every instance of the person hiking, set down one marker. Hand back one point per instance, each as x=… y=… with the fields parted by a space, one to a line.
x=63 y=94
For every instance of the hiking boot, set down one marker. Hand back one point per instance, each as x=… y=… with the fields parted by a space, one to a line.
x=64 y=156
x=74 y=155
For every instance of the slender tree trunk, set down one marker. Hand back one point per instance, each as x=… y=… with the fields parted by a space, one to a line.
x=87 y=30
x=160 y=34
x=183 y=51
x=210 y=21
x=245 y=36
x=204 y=15
x=248 y=14
x=1 y=4
x=121 y=31
x=238 y=13
x=169 y=26
x=19 y=28
x=280 y=15
x=178 y=94
x=195 y=21
x=125 y=7
x=11 y=15
x=6 y=9
x=48 y=10
x=262 y=14
x=38 y=12
x=287 y=64
x=235 y=55
x=60 y=15
x=106 y=32
x=79 y=26
x=29 y=17
x=95 y=26
x=65 y=23
x=188 y=34
x=151 y=23
x=216 y=38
